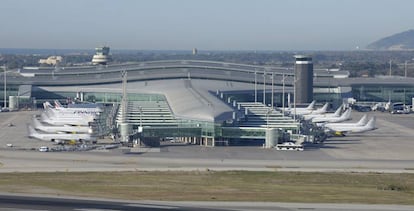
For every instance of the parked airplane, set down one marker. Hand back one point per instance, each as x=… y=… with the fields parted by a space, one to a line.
x=363 y=121
x=59 y=121
x=336 y=114
x=310 y=107
x=85 y=107
x=56 y=129
x=319 y=111
x=342 y=130
x=59 y=137
x=71 y=111
x=345 y=116
x=52 y=112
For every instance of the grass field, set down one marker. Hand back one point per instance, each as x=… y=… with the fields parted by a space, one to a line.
x=371 y=188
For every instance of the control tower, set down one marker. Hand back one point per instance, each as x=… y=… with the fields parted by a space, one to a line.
x=304 y=79
x=101 y=56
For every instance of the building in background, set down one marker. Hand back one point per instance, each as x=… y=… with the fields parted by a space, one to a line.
x=51 y=60
x=101 y=56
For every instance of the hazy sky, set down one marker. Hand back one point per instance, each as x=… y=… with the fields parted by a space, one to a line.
x=204 y=24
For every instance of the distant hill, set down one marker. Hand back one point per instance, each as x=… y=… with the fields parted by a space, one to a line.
x=400 y=41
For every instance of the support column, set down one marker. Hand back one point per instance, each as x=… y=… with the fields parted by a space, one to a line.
x=288 y=99
x=209 y=142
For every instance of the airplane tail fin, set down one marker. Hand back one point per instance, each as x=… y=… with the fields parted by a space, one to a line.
x=44 y=117
x=338 y=111
x=50 y=112
x=45 y=105
x=346 y=115
x=363 y=120
x=311 y=105
x=324 y=108
x=36 y=123
x=369 y=126
x=371 y=123
x=32 y=131
x=57 y=104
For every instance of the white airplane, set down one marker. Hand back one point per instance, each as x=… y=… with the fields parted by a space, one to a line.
x=336 y=114
x=342 y=130
x=59 y=121
x=363 y=121
x=59 y=137
x=345 y=116
x=310 y=107
x=318 y=111
x=52 y=112
x=56 y=129
x=59 y=106
x=59 y=109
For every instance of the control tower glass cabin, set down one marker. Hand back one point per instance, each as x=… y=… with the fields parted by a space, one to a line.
x=101 y=56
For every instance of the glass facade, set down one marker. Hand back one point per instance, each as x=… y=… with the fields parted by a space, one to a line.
x=10 y=91
x=376 y=93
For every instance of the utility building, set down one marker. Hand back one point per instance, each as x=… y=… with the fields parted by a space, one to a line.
x=303 y=79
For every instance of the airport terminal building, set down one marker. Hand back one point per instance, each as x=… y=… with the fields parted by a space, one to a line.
x=203 y=102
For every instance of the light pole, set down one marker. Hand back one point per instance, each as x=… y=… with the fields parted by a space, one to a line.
x=5 y=86
x=255 y=86
x=273 y=89
x=269 y=111
x=283 y=94
x=140 y=117
x=405 y=68
x=264 y=87
x=390 y=66
x=140 y=129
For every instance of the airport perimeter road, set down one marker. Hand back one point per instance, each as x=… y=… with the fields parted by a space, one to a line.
x=23 y=202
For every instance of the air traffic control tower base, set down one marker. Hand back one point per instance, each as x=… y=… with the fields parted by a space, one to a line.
x=303 y=79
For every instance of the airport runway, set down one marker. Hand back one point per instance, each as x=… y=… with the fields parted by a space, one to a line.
x=37 y=203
